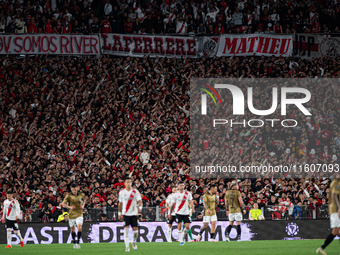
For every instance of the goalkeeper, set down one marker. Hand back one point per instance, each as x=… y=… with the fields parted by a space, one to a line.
x=256 y=213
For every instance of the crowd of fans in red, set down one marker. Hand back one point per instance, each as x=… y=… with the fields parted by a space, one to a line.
x=169 y=16
x=93 y=121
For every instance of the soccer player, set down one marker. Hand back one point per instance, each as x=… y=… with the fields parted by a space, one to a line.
x=130 y=205
x=10 y=216
x=334 y=214
x=171 y=216
x=233 y=204
x=75 y=202
x=182 y=200
x=191 y=239
x=210 y=200
x=256 y=213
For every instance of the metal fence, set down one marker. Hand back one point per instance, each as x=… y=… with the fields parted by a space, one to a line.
x=277 y=212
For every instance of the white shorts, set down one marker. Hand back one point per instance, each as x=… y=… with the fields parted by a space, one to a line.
x=207 y=219
x=235 y=216
x=75 y=222
x=335 y=220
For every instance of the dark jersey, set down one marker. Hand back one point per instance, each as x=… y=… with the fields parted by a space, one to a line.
x=210 y=201
x=232 y=197
x=75 y=201
x=334 y=189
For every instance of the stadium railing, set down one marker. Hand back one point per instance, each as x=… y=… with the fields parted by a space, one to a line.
x=149 y=214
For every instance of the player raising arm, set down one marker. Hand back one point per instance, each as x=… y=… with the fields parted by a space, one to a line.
x=334 y=214
x=129 y=206
x=10 y=217
x=75 y=202
x=182 y=200
x=210 y=200
x=233 y=204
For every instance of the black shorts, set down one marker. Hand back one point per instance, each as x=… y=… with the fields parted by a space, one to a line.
x=130 y=221
x=12 y=224
x=184 y=218
x=172 y=219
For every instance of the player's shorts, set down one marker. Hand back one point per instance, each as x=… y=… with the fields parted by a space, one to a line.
x=235 y=216
x=184 y=218
x=335 y=220
x=12 y=224
x=207 y=219
x=130 y=221
x=75 y=222
x=172 y=219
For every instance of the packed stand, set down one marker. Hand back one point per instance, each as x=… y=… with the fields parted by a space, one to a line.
x=169 y=17
x=93 y=121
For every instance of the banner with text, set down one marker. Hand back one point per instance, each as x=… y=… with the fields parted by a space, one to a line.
x=300 y=45
x=315 y=46
x=50 y=44
x=146 y=45
x=255 y=44
x=112 y=232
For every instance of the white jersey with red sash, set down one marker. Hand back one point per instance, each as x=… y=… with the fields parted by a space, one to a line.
x=182 y=202
x=11 y=210
x=172 y=16
x=249 y=19
x=171 y=202
x=180 y=27
x=129 y=201
x=141 y=17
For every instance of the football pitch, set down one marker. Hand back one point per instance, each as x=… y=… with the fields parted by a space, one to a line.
x=300 y=247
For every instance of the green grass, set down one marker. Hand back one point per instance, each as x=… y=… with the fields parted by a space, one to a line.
x=300 y=247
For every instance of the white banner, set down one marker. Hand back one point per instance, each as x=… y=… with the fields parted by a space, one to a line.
x=50 y=44
x=147 y=45
x=302 y=45
x=255 y=44
x=315 y=46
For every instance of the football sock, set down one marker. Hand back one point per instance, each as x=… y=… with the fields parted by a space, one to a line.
x=229 y=229
x=126 y=237
x=9 y=236
x=212 y=235
x=74 y=237
x=180 y=236
x=328 y=240
x=19 y=235
x=190 y=234
x=169 y=232
x=238 y=230
x=79 y=236
x=185 y=231
x=135 y=235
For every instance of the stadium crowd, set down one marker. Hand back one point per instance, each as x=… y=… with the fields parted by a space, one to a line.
x=93 y=121
x=169 y=16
